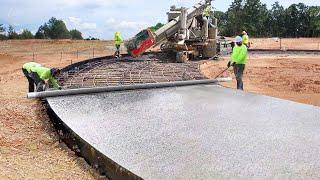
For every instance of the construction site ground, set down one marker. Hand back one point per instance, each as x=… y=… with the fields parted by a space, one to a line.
x=29 y=146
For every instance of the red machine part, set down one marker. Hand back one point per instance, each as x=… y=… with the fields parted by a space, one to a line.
x=145 y=40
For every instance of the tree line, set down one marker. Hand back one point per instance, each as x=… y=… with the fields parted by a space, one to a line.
x=156 y=27
x=298 y=20
x=53 y=29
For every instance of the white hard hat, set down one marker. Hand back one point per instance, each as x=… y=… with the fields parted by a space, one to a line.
x=238 y=39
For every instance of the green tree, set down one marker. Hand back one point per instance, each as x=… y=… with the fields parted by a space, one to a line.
x=57 y=29
x=2 y=29
x=234 y=18
x=12 y=33
x=314 y=27
x=254 y=17
x=26 y=34
x=75 y=34
x=91 y=38
x=277 y=20
x=304 y=20
x=2 y=32
x=156 y=27
x=53 y=29
x=222 y=21
x=297 y=20
x=42 y=32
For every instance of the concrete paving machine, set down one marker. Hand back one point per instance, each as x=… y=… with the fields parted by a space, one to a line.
x=188 y=35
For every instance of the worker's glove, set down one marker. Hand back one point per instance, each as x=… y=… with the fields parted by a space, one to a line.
x=229 y=64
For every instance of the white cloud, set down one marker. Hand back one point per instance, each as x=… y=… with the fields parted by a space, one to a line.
x=74 y=20
x=20 y=31
x=87 y=28
x=94 y=4
x=127 y=28
x=76 y=3
x=132 y=25
x=77 y=23
x=125 y=25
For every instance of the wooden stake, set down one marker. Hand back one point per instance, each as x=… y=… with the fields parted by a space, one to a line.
x=280 y=44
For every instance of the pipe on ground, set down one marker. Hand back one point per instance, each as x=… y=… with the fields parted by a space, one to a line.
x=69 y=92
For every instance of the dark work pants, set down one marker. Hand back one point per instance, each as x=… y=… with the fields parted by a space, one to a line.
x=238 y=72
x=30 y=80
x=39 y=82
x=117 y=53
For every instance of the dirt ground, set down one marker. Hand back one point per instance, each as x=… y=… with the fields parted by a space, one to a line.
x=29 y=148
x=286 y=43
x=283 y=43
x=291 y=77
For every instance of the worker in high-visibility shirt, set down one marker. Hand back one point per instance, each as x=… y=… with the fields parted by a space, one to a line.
x=245 y=39
x=238 y=60
x=118 y=41
x=40 y=75
x=207 y=11
x=206 y=14
x=26 y=69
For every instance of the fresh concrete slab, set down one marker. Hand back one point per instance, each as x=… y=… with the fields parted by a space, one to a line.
x=198 y=132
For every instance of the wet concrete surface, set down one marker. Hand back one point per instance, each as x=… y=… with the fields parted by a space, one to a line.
x=198 y=132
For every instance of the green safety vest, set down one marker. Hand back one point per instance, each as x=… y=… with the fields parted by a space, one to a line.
x=207 y=11
x=117 y=38
x=45 y=74
x=245 y=39
x=29 y=65
x=239 y=54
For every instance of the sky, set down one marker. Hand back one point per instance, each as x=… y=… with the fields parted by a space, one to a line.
x=101 y=18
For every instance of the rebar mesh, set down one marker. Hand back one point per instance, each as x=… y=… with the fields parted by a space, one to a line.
x=113 y=72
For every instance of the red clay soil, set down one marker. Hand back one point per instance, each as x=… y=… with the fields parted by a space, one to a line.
x=295 y=78
x=29 y=146
x=286 y=43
